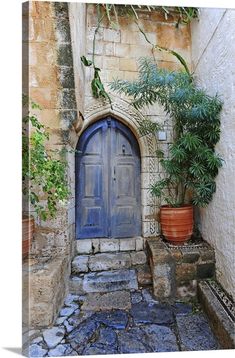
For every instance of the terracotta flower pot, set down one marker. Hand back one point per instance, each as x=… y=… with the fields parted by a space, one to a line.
x=27 y=234
x=177 y=223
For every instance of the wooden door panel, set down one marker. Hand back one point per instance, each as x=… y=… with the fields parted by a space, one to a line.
x=94 y=146
x=93 y=180
x=91 y=207
x=123 y=146
x=125 y=186
x=108 y=182
x=92 y=216
x=125 y=219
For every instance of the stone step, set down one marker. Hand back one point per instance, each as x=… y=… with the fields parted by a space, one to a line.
x=93 y=246
x=109 y=281
x=120 y=300
x=105 y=281
x=104 y=262
x=107 y=261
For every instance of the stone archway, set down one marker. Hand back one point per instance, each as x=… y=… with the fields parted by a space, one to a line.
x=125 y=113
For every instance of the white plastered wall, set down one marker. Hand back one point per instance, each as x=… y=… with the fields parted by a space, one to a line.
x=213 y=53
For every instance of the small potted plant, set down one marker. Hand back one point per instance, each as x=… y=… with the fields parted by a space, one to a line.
x=43 y=174
x=192 y=164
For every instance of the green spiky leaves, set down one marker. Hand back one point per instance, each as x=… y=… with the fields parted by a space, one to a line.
x=193 y=164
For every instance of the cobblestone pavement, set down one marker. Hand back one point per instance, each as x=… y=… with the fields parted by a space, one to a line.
x=148 y=326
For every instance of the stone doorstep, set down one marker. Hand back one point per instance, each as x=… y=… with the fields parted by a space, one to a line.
x=221 y=318
x=102 y=245
x=107 y=261
x=108 y=281
x=104 y=281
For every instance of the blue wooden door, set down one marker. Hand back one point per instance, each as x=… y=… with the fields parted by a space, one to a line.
x=107 y=182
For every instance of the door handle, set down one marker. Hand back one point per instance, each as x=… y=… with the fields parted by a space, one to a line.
x=114 y=173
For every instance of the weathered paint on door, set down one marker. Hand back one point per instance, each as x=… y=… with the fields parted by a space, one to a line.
x=107 y=182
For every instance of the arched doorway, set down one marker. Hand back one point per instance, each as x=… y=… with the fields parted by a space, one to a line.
x=107 y=182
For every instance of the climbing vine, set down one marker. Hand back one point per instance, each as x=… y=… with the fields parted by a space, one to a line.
x=43 y=171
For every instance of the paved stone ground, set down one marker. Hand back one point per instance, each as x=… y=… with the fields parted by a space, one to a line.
x=148 y=326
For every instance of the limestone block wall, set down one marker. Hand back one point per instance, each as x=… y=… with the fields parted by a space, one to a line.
x=48 y=79
x=213 y=51
x=116 y=53
x=51 y=85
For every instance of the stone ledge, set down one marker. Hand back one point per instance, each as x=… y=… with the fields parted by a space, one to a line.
x=177 y=269
x=221 y=316
x=44 y=287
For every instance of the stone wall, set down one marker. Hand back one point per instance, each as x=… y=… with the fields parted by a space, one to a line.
x=176 y=271
x=49 y=81
x=213 y=50
x=51 y=85
x=116 y=53
x=44 y=288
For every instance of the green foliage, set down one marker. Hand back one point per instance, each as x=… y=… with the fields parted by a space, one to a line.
x=42 y=173
x=193 y=164
x=113 y=11
x=187 y=14
x=147 y=127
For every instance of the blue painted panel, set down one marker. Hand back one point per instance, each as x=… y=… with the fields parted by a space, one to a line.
x=125 y=184
x=108 y=182
x=91 y=183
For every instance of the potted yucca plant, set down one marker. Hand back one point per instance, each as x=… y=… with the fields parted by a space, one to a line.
x=192 y=164
x=43 y=172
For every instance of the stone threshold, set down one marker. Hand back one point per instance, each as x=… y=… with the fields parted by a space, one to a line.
x=220 y=311
x=101 y=245
x=106 y=257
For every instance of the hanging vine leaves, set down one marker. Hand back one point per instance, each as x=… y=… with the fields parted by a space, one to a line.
x=86 y=62
x=97 y=86
x=160 y=48
x=43 y=170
